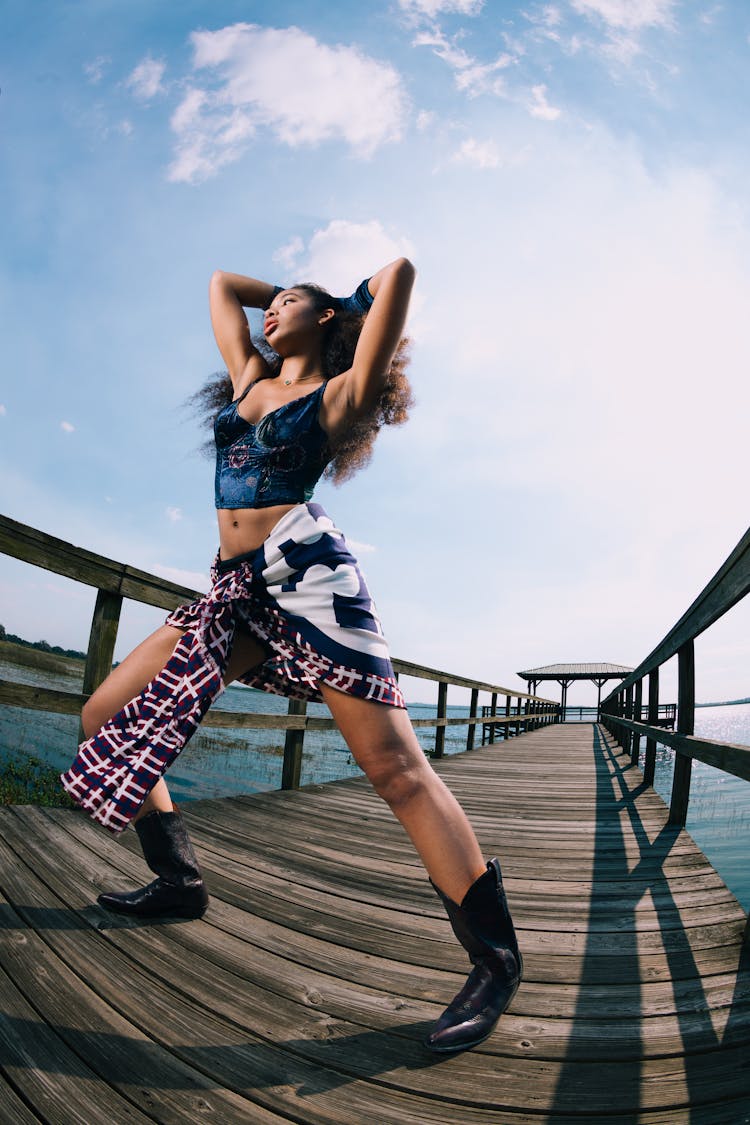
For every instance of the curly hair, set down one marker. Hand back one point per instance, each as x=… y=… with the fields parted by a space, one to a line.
x=354 y=451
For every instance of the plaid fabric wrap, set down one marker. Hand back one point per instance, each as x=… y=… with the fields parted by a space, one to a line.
x=301 y=594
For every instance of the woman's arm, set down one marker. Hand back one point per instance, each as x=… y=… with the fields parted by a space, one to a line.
x=359 y=388
x=228 y=295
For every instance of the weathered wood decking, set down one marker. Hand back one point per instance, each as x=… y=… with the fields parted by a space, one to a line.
x=304 y=993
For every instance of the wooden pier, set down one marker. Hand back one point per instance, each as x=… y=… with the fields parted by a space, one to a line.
x=304 y=993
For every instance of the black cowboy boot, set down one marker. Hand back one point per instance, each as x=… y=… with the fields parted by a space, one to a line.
x=483 y=925
x=178 y=891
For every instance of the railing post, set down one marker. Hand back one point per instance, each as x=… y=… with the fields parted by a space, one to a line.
x=441 y=713
x=627 y=741
x=101 y=640
x=506 y=727
x=683 y=765
x=518 y=715
x=493 y=712
x=649 y=765
x=635 y=745
x=472 y=715
x=291 y=769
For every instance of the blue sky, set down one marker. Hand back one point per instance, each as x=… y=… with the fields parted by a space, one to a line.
x=570 y=179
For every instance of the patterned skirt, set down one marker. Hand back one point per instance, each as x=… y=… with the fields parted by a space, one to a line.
x=302 y=596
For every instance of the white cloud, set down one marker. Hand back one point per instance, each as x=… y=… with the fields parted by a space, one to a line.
x=481 y=154
x=284 y=80
x=425 y=118
x=540 y=107
x=432 y=8
x=360 y=548
x=628 y=15
x=287 y=256
x=193 y=579
x=94 y=70
x=67 y=427
x=174 y=515
x=709 y=15
x=470 y=75
x=340 y=254
x=146 y=80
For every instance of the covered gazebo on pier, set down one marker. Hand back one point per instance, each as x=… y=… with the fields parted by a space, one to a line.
x=565 y=674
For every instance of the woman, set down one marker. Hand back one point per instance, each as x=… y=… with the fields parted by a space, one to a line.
x=288 y=611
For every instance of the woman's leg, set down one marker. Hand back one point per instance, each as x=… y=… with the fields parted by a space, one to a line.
x=384 y=745
x=178 y=890
x=130 y=677
x=124 y=683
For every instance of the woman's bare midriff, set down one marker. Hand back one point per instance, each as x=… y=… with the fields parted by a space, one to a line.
x=244 y=529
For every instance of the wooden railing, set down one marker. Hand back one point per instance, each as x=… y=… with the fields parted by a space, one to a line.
x=115 y=581
x=516 y=718
x=574 y=714
x=728 y=586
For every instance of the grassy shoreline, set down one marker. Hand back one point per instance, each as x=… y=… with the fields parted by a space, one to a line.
x=28 y=781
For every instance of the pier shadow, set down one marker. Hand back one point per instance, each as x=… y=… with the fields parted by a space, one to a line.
x=327 y=1059
x=41 y=918
x=624 y=1082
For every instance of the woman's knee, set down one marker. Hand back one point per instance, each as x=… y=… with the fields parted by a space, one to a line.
x=396 y=778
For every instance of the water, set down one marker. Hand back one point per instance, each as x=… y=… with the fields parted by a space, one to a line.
x=220 y=762
x=718 y=816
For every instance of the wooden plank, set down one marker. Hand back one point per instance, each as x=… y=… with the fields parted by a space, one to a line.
x=40 y=699
x=324 y=955
x=36 y=547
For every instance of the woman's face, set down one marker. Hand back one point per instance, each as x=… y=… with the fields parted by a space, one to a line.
x=292 y=321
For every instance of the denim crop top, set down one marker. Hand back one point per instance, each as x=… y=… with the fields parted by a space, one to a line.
x=278 y=460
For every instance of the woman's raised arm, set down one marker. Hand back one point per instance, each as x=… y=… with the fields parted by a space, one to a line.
x=229 y=294
x=391 y=289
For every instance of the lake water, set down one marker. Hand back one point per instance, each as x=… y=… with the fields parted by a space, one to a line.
x=220 y=762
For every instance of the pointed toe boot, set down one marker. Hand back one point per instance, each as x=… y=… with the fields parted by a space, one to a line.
x=178 y=890
x=483 y=925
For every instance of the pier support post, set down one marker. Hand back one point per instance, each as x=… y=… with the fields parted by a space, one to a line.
x=472 y=715
x=442 y=710
x=291 y=770
x=649 y=766
x=635 y=745
x=493 y=712
x=627 y=741
x=101 y=640
x=683 y=766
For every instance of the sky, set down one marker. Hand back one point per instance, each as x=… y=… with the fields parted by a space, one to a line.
x=570 y=180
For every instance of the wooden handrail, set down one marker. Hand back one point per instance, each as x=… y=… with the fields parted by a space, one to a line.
x=115 y=581
x=727 y=587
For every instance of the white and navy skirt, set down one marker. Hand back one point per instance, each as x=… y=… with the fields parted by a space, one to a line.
x=302 y=596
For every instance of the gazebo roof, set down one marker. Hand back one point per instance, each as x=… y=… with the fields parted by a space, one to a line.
x=576 y=672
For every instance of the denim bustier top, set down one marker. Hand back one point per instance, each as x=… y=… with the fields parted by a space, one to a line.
x=279 y=460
